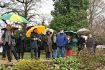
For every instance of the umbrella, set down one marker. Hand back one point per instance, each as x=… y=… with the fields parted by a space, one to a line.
x=83 y=31
x=72 y=33
x=40 y=29
x=48 y=29
x=14 y=17
x=9 y=27
x=28 y=27
x=13 y=28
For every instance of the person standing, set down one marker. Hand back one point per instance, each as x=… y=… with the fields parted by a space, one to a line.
x=54 y=46
x=68 y=46
x=3 y=52
x=91 y=44
x=20 y=45
x=48 y=48
x=61 y=43
x=34 y=38
x=7 y=42
x=39 y=44
x=13 y=44
x=81 y=44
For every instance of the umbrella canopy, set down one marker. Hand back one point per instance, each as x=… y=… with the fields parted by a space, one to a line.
x=40 y=29
x=83 y=31
x=13 y=28
x=71 y=33
x=14 y=17
x=28 y=27
x=48 y=29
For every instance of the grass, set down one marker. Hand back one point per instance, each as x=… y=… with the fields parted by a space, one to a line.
x=27 y=56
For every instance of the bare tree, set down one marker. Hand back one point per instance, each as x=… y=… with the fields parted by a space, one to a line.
x=26 y=8
x=96 y=17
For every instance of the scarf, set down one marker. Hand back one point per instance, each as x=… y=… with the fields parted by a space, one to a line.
x=7 y=37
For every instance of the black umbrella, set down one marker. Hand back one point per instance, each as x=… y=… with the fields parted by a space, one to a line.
x=13 y=28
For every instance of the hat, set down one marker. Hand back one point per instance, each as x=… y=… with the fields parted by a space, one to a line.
x=61 y=29
x=8 y=27
x=48 y=32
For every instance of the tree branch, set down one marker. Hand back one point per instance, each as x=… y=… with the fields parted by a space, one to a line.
x=30 y=16
x=20 y=1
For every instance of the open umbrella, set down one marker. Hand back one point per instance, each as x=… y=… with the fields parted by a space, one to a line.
x=28 y=27
x=13 y=28
x=14 y=17
x=72 y=33
x=83 y=31
x=48 y=29
x=40 y=29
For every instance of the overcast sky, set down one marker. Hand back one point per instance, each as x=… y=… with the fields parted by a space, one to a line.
x=47 y=6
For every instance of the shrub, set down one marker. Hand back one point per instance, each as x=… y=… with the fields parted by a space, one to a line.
x=30 y=65
x=69 y=63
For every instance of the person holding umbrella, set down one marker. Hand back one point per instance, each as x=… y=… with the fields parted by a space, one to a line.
x=34 y=38
x=7 y=42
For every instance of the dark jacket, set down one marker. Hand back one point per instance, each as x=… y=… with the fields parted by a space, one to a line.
x=68 y=44
x=13 y=40
x=54 y=46
x=81 y=41
x=91 y=42
x=20 y=43
x=33 y=40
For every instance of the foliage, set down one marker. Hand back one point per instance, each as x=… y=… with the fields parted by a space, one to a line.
x=84 y=61
x=56 y=64
x=30 y=64
x=69 y=63
x=71 y=21
x=90 y=62
x=70 y=14
x=100 y=40
x=3 y=67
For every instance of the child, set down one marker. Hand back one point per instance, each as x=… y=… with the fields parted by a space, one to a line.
x=20 y=45
x=68 y=47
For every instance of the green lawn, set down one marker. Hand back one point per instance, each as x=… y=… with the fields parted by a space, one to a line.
x=27 y=56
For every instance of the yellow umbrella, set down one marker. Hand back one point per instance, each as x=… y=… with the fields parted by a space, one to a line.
x=40 y=29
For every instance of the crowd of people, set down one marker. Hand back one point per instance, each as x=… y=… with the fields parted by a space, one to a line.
x=56 y=44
